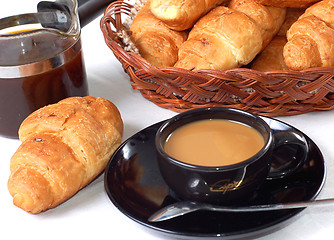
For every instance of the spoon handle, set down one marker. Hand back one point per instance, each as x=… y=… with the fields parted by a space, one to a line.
x=277 y=206
x=185 y=207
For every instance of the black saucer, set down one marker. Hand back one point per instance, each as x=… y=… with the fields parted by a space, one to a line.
x=134 y=184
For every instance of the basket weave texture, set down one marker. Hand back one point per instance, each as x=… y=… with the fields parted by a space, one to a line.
x=276 y=93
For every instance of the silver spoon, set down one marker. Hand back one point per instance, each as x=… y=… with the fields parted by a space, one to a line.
x=184 y=207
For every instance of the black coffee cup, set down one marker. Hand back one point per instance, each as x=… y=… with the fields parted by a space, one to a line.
x=226 y=184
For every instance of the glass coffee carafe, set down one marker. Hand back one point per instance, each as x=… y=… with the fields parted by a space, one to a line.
x=40 y=59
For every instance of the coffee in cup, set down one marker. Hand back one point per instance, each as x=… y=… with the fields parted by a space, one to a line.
x=227 y=179
x=213 y=142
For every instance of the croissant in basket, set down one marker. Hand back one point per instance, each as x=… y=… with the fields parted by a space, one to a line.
x=288 y=3
x=156 y=42
x=311 y=38
x=228 y=37
x=181 y=15
x=292 y=15
x=271 y=58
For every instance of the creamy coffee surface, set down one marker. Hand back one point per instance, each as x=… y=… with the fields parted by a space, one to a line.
x=214 y=142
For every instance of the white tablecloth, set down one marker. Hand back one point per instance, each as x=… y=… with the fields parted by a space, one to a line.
x=90 y=213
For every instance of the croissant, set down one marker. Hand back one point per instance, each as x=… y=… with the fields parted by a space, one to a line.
x=64 y=147
x=156 y=43
x=288 y=3
x=228 y=37
x=181 y=15
x=292 y=15
x=311 y=38
x=271 y=58
x=267 y=18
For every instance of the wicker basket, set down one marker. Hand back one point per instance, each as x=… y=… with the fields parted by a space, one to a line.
x=277 y=93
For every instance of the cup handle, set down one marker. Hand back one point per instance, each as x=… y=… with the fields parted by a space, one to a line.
x=289 y=137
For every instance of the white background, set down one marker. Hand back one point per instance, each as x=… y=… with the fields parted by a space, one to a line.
x=90 y=214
